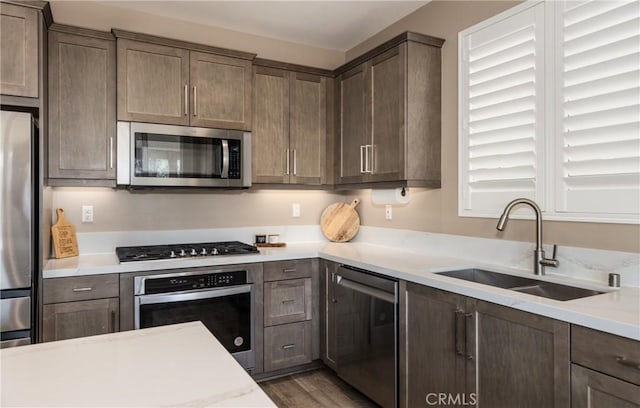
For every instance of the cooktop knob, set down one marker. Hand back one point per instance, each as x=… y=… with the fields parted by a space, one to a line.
x=204 y=251
x=193 y=252
x=214 y=251
x=182 y=253
x=172 y=254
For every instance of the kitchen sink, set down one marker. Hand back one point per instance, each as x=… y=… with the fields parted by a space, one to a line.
x=523 y=285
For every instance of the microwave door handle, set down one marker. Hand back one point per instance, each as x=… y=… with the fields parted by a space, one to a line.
x=225 y=159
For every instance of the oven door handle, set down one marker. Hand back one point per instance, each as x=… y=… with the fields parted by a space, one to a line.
x=186 y=296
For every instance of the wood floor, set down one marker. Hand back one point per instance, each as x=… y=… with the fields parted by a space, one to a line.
x=318 y=388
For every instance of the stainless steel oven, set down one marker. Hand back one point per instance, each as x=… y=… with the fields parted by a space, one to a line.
x=221 y=300
x=152 y=155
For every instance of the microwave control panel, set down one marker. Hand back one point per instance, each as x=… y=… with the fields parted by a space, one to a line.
x=235 y=163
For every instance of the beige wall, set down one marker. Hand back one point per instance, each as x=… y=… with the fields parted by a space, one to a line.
x=121 y=210
x=104 y=17
x=429 y=210
x=437 y=210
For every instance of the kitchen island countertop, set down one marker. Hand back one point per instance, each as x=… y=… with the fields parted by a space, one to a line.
x=177 y=365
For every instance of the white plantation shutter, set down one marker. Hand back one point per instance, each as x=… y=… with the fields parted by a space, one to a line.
x=598 y=140
x=501 y=111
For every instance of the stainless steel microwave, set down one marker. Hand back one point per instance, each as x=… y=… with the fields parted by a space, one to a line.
x=153 y=155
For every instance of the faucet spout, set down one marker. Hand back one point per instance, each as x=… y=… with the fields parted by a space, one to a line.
x=539 y=260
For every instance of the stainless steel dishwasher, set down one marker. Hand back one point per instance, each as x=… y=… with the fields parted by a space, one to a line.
x=366 y=316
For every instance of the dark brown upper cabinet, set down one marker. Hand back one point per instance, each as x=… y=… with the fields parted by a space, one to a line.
x=82 y=106
x=19 y=50
x=178 y=83
x=289 y=125
x=388 y=122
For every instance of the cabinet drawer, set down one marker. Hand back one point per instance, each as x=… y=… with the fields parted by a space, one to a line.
x=287 y=345
x=287 y=301
x=299 y=268
x=80 y=288
x=607 y=353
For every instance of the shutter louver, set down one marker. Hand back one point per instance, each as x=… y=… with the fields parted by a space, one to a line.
x=599 y=123
x=501 y=108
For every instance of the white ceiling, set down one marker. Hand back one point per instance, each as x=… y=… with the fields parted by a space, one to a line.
x=336 y=25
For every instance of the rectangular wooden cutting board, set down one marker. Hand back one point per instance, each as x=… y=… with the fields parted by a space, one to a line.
x=65 y=243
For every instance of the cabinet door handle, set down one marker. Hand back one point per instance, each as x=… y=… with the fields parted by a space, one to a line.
x=468 y=330
x=295 y=162
x=287 y=161
x=186 y=100
x=459 y=332
x=195 y=101
x=112 y=323
x=288 y=301
x=288 y=346
x=111 y=152
x=87 y=289
x=362 y=169
x=628 y=363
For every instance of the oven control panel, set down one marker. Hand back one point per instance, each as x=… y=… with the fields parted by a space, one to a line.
x=194 y=282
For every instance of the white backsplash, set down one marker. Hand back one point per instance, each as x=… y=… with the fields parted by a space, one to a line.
x=582 y=263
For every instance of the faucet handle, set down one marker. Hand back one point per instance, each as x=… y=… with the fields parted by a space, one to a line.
x=551 y=261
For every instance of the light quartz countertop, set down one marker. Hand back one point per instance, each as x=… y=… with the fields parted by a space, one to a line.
x=617 y=311
x=180 y=365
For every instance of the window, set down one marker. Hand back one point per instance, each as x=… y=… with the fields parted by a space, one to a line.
x=549 y=109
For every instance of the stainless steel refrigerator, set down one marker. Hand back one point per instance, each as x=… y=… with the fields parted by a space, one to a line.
x=17 y=227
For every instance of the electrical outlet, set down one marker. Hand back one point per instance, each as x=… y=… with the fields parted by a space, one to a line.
x=388 y=212
x=295 y=210
x=87 y=214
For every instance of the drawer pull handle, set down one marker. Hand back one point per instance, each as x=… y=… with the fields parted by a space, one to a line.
x=82 y=289
x=288 y=346
x=628 y=363
x=288 y=301
x=292 y=270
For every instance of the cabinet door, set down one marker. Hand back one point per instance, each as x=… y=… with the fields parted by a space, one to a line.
x=287 y=301
x=591 y=389
x=518 y=358
x=327 y=315
x=432 y=346
x=287 y=345
x=221 y=91
x=351 y=142
x=62 y=321
x=19 y=50
x=387 y=129
x=153 y=83
x=82 y=107
x=270 y=137
x=307 y=128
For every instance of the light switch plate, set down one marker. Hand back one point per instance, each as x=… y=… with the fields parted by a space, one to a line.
x=295 y=210
x=388 y=212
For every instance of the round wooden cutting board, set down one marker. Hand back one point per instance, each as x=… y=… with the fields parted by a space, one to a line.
x=340 y=222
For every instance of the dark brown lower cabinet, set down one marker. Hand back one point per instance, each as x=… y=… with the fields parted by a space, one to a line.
x=287 y=345
x=459 y=351
x=596 y=390
x=80 y=319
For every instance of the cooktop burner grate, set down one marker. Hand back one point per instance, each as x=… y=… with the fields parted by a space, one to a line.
x=179 y=251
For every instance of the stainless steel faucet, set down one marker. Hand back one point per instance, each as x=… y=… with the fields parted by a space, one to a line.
x=539 y=261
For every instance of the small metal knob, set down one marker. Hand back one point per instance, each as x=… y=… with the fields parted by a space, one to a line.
x=182 y=253
x=204 y=251
x=193 y=252
x=614 y=280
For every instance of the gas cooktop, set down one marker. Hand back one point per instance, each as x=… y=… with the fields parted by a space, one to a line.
x=179 y=251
